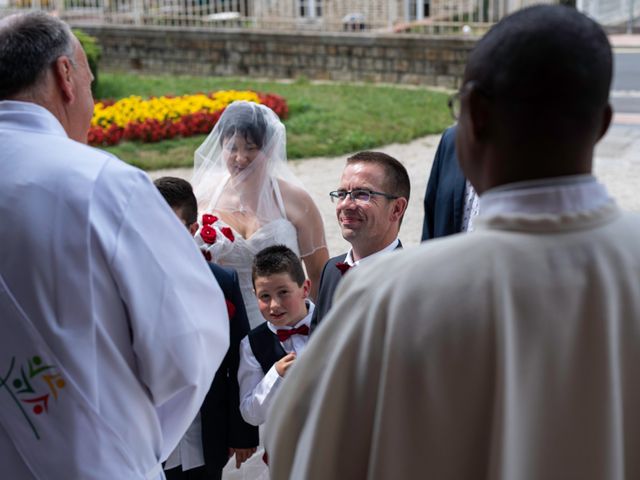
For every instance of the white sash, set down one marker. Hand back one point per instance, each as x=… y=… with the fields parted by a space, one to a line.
x=56 y=431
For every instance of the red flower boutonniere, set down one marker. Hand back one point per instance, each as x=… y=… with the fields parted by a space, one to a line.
x=227 y=232
x=343 y=267
x=231 y=309
x=208 y=219
x=208 y=234
x=207 y=255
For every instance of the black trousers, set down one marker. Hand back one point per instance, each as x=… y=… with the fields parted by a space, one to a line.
x=199 y=473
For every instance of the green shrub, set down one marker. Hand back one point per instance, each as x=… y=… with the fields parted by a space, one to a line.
x=93 y=51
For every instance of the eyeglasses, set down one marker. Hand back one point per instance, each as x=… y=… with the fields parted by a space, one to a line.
x=358 y=195
x=454 y=100
x=454 y=105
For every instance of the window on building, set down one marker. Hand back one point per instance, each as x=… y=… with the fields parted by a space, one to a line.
x=310 y=8
x=418 y=9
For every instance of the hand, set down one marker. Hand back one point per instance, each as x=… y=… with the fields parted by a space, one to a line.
x=242 y=454
x=285 y=363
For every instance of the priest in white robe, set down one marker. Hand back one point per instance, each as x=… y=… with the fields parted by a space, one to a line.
x=112 y=325
x=510 y=352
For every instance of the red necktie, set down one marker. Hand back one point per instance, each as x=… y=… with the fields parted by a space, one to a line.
x=343 y=267
x=284 y=334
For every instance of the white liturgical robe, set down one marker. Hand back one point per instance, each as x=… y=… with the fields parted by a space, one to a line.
x=113 y=326
x=508 y=353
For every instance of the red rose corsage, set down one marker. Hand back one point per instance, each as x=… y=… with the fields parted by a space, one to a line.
x=208 y=234
x=208 y=219
x=227 y=232
x=214 y=239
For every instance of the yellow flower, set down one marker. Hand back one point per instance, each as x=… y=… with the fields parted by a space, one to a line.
x=135 y=109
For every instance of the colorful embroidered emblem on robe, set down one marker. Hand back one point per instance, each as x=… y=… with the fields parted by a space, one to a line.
x=31 y=386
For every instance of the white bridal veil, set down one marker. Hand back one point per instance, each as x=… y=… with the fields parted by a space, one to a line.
x=241 y=174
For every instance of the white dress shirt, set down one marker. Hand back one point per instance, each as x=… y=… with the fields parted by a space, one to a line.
x=256 y=388
x=389 y=248
x=117 y=292
x=189 y=452
x=471 y=207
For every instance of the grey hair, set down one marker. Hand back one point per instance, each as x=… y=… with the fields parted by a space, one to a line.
x=29 y=44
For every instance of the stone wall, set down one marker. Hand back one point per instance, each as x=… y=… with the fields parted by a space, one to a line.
x=406 y=59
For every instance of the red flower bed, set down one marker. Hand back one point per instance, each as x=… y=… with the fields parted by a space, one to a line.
x=152 y=130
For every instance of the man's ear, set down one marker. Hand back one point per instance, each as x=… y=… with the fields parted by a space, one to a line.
x=193 y=229
x=607 y=115
x=62 y=68
x=479 y=113
x=399 y=207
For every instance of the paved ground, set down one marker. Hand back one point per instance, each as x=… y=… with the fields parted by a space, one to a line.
x=625 y=40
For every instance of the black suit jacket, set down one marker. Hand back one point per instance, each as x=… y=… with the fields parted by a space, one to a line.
x=222 y=424
x=444 y=200
x=329 y=280
x=328 y=283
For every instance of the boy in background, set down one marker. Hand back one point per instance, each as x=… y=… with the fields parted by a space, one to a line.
x=218 y=431
x=267 y=353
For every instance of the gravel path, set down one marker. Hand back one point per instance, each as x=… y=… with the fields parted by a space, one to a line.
x=617 y=165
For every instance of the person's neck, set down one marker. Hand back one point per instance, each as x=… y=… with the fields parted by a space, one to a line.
x=360 y=251
x=502 y=170
x=296 y=322
x=520 y=158
x=248 y=190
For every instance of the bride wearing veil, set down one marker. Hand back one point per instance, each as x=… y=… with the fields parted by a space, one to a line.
x=252 y=200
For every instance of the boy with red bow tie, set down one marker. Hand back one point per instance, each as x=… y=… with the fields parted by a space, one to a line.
x=269 y=350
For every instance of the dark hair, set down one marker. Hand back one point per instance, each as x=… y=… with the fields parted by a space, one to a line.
x=551 y=58
x=396 y=176
x=179 y=195
x=277 y=259
x=244 y=119
x=29 y=44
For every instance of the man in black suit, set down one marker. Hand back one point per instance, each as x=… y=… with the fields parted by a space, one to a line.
x=370 y=202
x=223 y=432
x=450 y=203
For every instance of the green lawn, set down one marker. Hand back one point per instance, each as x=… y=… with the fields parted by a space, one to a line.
x=324 y=119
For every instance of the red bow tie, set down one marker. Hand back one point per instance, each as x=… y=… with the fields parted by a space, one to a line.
x=343 y=267
x=284 y=334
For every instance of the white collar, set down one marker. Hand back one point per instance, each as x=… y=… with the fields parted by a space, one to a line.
x=30 y=116
x=305 y=321
x=389 y=248
x=556 y=196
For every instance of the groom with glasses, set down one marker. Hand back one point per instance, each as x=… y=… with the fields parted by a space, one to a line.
x=370 y=202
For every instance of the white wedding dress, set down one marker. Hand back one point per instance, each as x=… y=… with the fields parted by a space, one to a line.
x=240 y=258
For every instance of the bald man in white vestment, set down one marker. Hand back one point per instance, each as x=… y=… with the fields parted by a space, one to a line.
x=508 y=353
x=112 y=329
